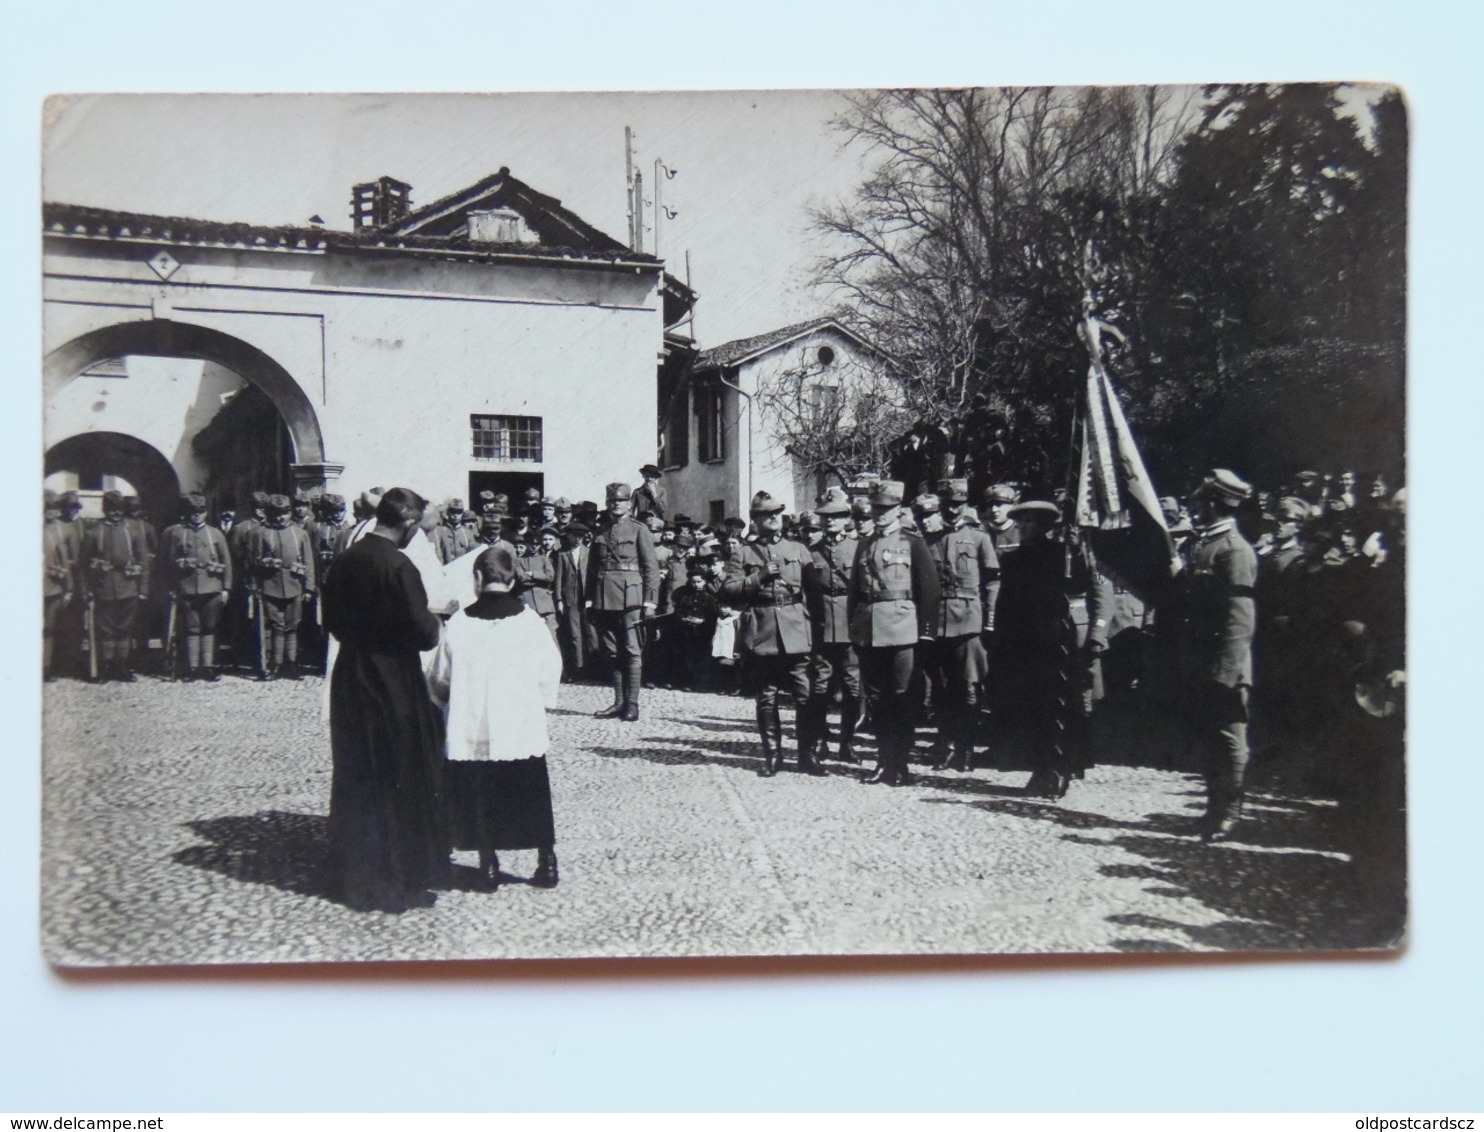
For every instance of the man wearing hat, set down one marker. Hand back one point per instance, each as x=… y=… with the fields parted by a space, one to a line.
x=649 y=497
x=302 y=505
x=1218 y=588
x=115 y=584
x=967 y=568
x=767 y=577
x=834 y=660
x=623 y=588
x=562 y=513
x=893 y=605
x=1035 y=641
x=198 y=576
x=284 y=575
x=568 y=588
x=451 y=537
x=535 y=575
x=57 y=576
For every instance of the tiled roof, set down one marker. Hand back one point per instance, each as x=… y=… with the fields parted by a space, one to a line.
x=740 y=349
x=83 y=222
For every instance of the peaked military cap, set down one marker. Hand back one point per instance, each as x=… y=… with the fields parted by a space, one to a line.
x=192 y=502
x=113 y=499
x=260 y=499
x=1226 y=484
x=301 y=497
x=562 y=504
x=619 y=491
x=764 y=504
x=810 y=521
x=927 y=503
x=833 y=504
x=455 y=504
x=278 y=503
x=69 y=497
x=1050 y=511
x=1291 y=509
x=888 y=493
x=954 y=490
x=1001 y=493
x=969 y=517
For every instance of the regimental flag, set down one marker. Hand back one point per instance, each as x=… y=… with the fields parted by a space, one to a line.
x=1117 y=507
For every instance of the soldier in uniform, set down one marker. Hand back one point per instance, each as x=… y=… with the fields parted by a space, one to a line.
x=70 y=617
x=145 y=532
x=198 y=576
x=115 y=583
x=562 y=514
x=303 y=507
x=1035 y=641
x=768 y=577
x=658 y=629
x=57 y=577
x=834 y=660
x=535 y=576
x=1221 y=616
x=451 y=537
x=283 y=567
x=650 y=497
x=893 y=605
x=967 y=569
x=623 y=588
x=324 y=531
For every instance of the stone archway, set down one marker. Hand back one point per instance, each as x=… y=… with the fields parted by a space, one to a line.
x=93 y=455
x=171 y=339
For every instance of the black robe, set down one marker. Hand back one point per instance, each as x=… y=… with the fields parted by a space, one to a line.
x=387 y=823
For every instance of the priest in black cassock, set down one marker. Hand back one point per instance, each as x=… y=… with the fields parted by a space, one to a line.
x=387 y=825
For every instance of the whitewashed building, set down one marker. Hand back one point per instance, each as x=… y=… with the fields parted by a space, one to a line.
x=721 y=444
x=490 y=339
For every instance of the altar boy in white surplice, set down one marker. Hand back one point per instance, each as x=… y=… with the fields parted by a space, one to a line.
x=498 y=670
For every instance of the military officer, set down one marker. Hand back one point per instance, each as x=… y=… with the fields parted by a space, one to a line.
x=623 y=587
x=834 y=659
x=197 y=565
x=767 y=577
x=967 y=569
x=562 y=512
x=1221 y=617
x=284 y=574
x=115 y=583
x=58 y=579
x=1035 y=641
x=893 y=605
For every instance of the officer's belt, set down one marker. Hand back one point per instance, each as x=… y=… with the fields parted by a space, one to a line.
x=892 y=595
x=769 y=599
x=619 y=570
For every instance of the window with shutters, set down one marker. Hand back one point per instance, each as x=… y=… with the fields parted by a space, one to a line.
x=507 y=439
x=710 y=404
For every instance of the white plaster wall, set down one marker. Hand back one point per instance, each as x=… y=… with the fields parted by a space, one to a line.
x=396 y=353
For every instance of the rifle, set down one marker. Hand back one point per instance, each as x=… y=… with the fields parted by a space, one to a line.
x=91 y=629
x=255 y=611
x=170 y=650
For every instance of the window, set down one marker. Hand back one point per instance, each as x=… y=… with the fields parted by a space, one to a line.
x=507 y=438
x=674 y=424
x=716 y=512
x=710 y=421
x=826 y=355
x=823 y=403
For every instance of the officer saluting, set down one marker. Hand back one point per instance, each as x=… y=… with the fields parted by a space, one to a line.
x=834 y=658
x=893 y=604
x=198 y=572
x=623 y=586
x=768 y=576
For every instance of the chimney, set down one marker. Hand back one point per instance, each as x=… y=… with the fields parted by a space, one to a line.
x=378 y=203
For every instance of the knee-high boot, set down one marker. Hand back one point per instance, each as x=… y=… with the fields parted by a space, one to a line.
x=850 y=711
x=632 y=676
x=208 y=657
x=771 y=736
x=809 y=729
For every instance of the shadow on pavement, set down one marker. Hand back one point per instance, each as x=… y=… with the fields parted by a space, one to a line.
x=287 y=851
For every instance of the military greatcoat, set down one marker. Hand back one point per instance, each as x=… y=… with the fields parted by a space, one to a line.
x=774 y=620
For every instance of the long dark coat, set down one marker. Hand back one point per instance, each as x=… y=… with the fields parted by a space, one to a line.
x=387 y=823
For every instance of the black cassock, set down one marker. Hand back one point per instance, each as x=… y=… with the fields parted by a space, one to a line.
x=387 y=823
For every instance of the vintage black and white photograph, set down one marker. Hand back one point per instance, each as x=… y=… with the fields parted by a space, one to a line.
x=738 y=523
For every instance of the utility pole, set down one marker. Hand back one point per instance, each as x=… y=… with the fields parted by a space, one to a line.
x=628 y=181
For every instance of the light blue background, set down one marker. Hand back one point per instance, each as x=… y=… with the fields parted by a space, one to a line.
x=1346 y=1034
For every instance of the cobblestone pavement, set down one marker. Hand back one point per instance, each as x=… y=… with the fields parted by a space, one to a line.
x=186 y=824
